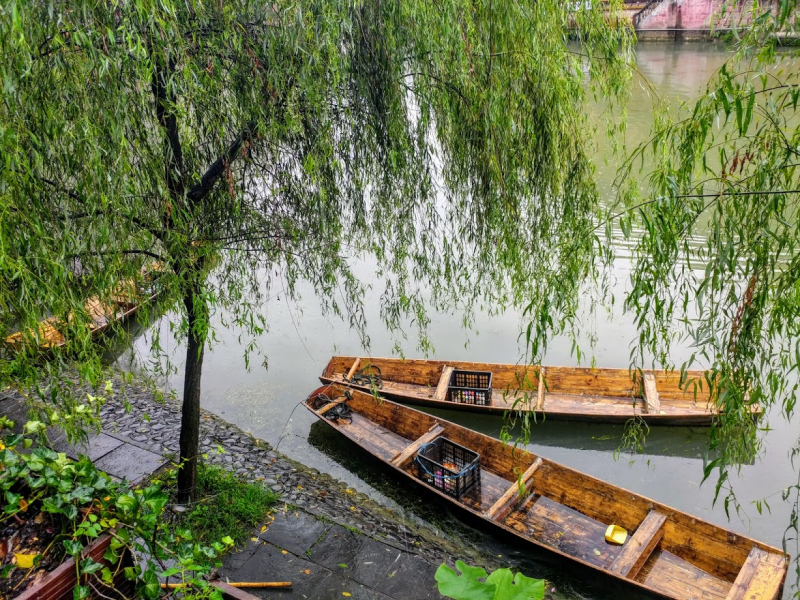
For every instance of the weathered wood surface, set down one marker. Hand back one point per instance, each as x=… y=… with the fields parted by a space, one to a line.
x=676 y=578
x=568 y=511
x=403 y=458
x=59 y=583
x=232 y=593
x=564 y=529
x=570 y=380
x=444 y=382
x=353 y=369
x=761 y=577
x=322 y=410
x=566 y=393
x=513 y=492
x=540 y=389
x=49 y=332
x=639 y=546
x=651 y=399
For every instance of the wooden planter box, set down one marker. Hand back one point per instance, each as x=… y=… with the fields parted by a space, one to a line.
x=59 y=583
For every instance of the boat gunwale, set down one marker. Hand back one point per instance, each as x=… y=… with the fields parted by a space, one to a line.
x=686 y=419
x=702 y=414
x=743 y=542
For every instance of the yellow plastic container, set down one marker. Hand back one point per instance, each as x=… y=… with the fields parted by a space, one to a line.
x=616 y=535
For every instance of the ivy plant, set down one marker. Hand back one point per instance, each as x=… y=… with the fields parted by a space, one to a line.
x=474 y=584
x=82 y=503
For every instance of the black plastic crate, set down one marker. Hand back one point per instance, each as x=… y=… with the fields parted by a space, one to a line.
x=455 y=482
x=470 y=387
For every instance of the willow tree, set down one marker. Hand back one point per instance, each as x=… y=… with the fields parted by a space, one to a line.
x=718 y=260
x=231 y=139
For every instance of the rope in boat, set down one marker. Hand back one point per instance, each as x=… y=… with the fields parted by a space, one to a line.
x=370 y=380
x=463 y=471
x=340 y=411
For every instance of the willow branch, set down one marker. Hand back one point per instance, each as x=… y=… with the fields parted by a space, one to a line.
x=215 y=171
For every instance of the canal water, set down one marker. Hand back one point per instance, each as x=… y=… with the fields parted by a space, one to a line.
x=301 y=339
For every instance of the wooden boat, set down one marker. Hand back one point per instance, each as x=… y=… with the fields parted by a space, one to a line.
x=564 y=393
x=668 y=553
x=125 y=302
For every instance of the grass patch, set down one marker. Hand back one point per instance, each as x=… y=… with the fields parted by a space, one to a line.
x=225 y=505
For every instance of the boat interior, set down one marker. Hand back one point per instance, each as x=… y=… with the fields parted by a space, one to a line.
x=667 y=551
x=123 y=303
x=560 y=391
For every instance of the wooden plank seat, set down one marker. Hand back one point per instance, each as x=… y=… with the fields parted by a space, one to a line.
x=639 y=546
x=652 y=403
x=512 y=494
x=444 y=383
x=761 y=577
x=407 y=455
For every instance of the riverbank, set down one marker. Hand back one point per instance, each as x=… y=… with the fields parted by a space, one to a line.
x=320 y=523
x=157 y=426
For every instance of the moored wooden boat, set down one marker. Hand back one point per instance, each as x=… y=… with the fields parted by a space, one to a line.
x=564 y=393
x=124 y=304
x=667 y=553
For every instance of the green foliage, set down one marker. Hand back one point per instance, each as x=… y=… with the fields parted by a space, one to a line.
x=502 y=584
x=247 y=145
x=85 y=503
x=226 y=505
x=718 y=240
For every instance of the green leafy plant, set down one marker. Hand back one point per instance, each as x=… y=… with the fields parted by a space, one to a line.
x=79 y=503
x=474 y=584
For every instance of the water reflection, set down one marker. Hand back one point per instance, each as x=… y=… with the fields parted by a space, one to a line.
x=682 y=442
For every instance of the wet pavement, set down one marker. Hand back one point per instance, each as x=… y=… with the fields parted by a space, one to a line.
x=325 y=560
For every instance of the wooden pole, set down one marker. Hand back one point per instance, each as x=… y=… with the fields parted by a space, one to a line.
x=237 y=584
x=260 y=584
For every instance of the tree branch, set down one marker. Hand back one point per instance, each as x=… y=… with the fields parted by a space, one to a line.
x=215 y=171
x=165 y=113
x=77 y=197
x=135 y=220
x=143 y=252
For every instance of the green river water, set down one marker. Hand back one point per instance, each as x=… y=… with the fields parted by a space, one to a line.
x=301 y=340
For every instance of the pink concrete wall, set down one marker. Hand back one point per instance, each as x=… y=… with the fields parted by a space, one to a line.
x=693 y=14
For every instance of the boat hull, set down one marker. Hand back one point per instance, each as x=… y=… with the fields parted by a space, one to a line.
x=561 y=393
x=104 y=316
x=669 y=554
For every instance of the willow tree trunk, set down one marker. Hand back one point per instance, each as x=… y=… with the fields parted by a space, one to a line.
x=190 y=416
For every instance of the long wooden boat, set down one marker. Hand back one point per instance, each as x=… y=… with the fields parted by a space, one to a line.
x=668 y=553
x=125 y=303
x=564 y=393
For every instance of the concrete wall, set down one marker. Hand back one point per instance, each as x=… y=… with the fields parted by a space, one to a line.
x=694 y=15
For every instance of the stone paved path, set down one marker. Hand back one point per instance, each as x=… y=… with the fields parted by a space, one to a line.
x=325 y=560
x=116 y=455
